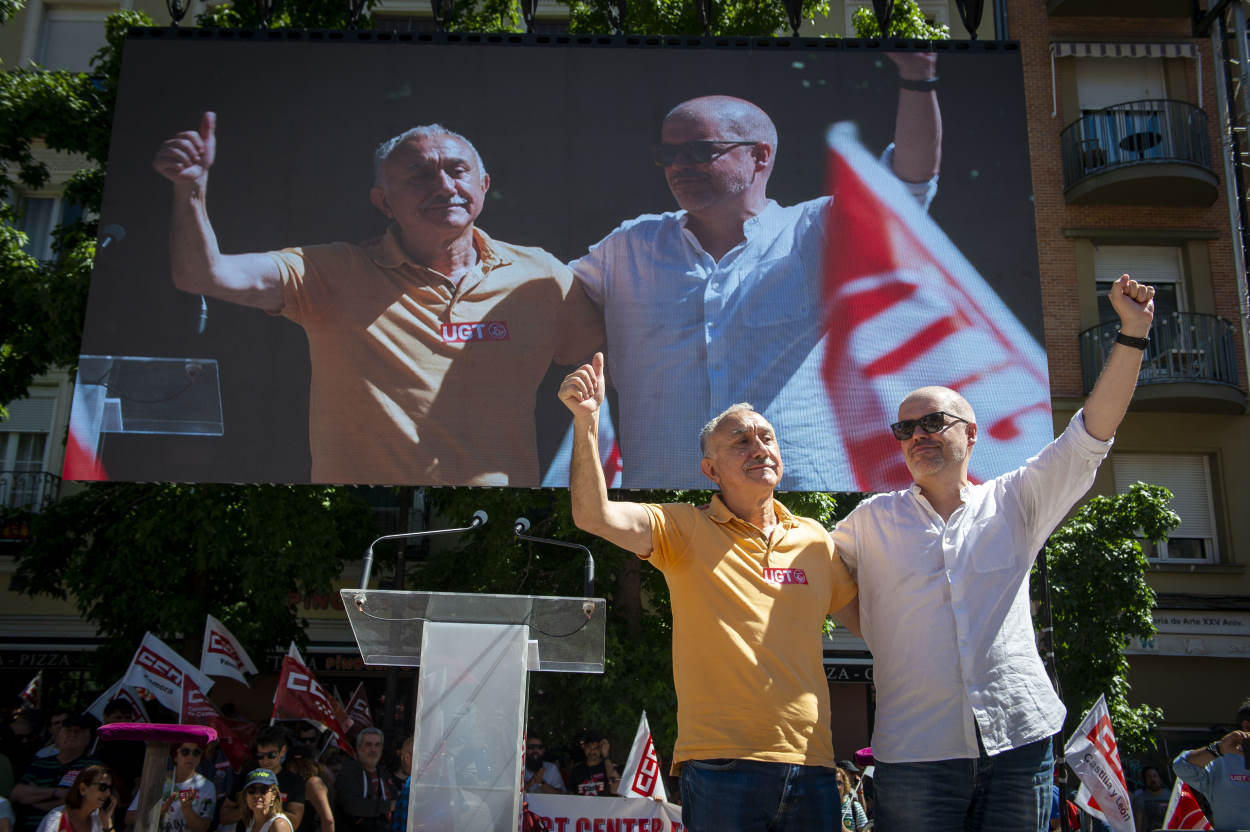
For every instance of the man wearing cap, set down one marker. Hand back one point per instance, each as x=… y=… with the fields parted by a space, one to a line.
x=48 y=779
x=965 y=711
x=750 y=586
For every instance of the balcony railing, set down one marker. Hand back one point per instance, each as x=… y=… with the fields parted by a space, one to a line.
x=29 y=490
x=1134 y=133
x=1184 y=347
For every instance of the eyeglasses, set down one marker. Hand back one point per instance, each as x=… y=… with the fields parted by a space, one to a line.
x=257 y=791
x=103 y=787
x=191 y=752
x=929 y=423
x=267 y=755
x=693 y=153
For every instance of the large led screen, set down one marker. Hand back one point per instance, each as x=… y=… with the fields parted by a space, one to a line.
x=272 y=303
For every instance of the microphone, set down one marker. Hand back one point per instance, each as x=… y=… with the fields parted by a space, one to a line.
x=110 y=235
x=203 y=322
x=478 y=520
x=521 y=527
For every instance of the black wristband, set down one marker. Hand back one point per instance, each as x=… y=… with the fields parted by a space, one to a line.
x=1130 y=341
x=1213 y=749
x=919 y=84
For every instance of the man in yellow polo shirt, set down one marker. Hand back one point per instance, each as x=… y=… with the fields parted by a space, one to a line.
x=750 y=584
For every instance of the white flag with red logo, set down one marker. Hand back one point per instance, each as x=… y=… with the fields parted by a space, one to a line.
x=1093 y=755
x=159 y=670
x=905 y=309
x=358 y=709
x=301 y=696
x=641 y=776
x=119 y=691
x=235 y=735
x=1183 y=810
x=31 y=693
x=222 y=654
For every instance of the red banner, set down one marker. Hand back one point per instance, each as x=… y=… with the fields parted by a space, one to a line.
x=235 y=735
x=301 y=696
x=358 y=709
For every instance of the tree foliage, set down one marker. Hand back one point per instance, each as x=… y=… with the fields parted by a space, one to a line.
x=670 y=17
x=906 y=21
x=1100 y=600
x=135 y=557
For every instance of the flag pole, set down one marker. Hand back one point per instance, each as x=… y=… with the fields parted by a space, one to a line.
x=1046 y=613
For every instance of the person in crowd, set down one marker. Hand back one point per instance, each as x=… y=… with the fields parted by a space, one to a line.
x=403 y=762
x=88 y=806
x=1150 y=802
x=750 y=586
x=272 y=747
x=365 y=800
x=308 y=734
x=1218 y=770
x=720 y=302
x=26 y=738
x=261 y=800
x=318 y=802
x=540 y=775
x=596 y=775
x=124 y=758
x=426 y=344
x=853 y=817
x=965 y=710
x=55 y=720
x=48 y=780
x=6 y=766
x=189 y=799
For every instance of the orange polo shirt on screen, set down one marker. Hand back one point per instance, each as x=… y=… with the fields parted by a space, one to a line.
x=747 y=615
x=418 y=380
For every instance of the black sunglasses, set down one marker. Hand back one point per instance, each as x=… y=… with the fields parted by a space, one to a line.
x=693 y=153
x=929 y=423
x=256 y=791
x=267 y=755
x=191 y=752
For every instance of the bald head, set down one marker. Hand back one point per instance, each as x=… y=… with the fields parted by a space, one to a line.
x=946 y=399
x=736 y=119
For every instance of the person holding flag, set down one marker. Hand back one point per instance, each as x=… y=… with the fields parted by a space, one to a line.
x=965 y=711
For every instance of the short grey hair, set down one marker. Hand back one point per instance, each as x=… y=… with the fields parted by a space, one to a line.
x=710 y=427
x=369 y=730
x=423 y=131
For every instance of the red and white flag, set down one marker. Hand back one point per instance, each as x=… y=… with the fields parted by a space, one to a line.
x=905 y=309
x=1183 y=810
x=1093 y=755
x=82 y=445
x=642 y=775
x=358 y=709
x=236 y=736
x=31 y=693
x=119 y=691
x=301 y=696
x=159 y=670
x=222 y=654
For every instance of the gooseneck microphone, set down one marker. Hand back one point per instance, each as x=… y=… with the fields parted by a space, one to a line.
x=521 y=525
x=478 y=520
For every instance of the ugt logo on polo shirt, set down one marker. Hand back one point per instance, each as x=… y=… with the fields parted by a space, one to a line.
x=785 y=576
x=475 y=331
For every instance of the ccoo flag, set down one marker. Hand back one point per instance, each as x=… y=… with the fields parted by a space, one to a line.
x=641 y=777
x=234 y=735
x=159 y=670
x=301 y=696
x=1093 y=755
x=119 y=691
x=905 y=309
x=222 y=654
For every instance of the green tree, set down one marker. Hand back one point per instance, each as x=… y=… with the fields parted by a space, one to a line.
x=906 y=21
x=1101 y=601
x=134 y=557
x=670 y=17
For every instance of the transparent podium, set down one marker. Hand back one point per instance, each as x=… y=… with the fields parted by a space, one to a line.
x=475 y=654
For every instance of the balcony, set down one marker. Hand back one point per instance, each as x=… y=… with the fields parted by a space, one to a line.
x=1119 y=8
x=21 y=493
x=1149 y=152
x=1190 y=365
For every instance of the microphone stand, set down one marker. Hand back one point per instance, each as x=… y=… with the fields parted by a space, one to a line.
x=521 y=525
x=479 y=519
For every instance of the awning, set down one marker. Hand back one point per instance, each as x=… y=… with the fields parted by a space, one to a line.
x=1120 y=50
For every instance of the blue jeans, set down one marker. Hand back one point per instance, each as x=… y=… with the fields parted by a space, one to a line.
x=1008 y=792
x=754 y=796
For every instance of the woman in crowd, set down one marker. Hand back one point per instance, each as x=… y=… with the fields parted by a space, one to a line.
x=262 y=804
x=318 y=814
x=88 y=805
x=853 y=817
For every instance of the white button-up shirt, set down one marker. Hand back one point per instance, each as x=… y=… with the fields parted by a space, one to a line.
x=687 y=336
x=944 y=606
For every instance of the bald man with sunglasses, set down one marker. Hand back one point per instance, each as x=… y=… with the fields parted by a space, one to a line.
x=965 y=711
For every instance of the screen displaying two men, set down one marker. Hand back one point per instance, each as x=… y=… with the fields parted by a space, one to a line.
x=365 y=262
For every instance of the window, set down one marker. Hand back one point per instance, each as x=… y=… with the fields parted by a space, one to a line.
x=1106 y=82
x=41 y=216
x=1188 y=477
x=1126 y=133
x=70 y=37
x=1160 y=266
x=23 y=451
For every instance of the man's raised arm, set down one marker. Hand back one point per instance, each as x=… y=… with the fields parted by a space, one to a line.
x=1109 y=400
x=918 y=123
x=198 y=265
x=626 y=524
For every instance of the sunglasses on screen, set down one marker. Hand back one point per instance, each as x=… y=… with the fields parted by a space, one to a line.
x=929 y=423
x=693 y=153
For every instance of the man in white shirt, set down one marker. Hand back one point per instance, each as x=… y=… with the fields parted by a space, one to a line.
x=965 y=710
x=720 y=302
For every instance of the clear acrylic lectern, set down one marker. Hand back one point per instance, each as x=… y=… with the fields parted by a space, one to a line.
x=475 y=653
